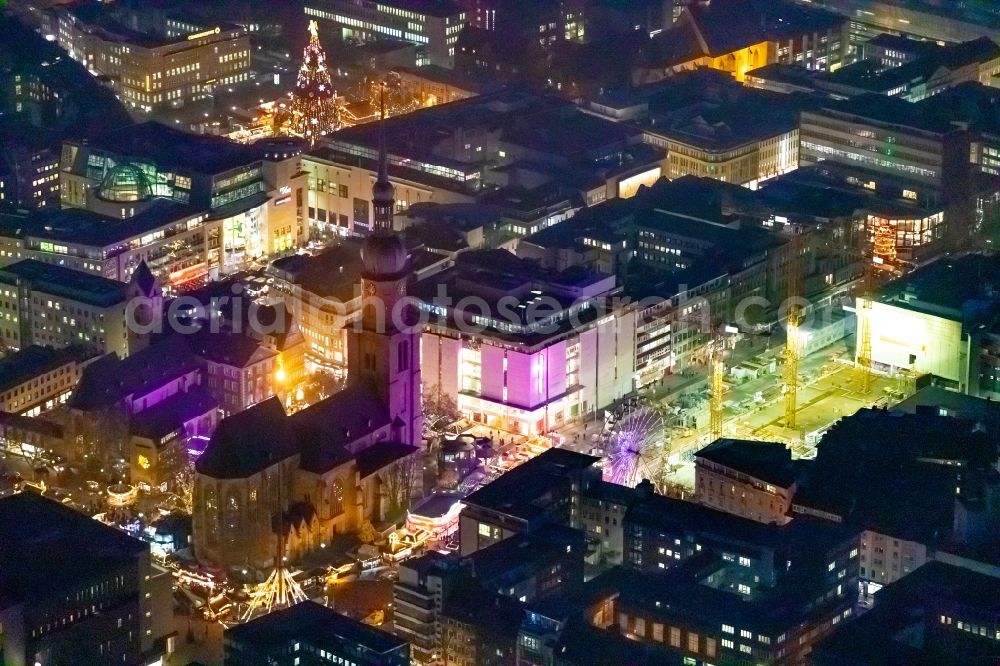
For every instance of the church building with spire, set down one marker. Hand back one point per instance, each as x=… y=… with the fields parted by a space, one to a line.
x=350 y=459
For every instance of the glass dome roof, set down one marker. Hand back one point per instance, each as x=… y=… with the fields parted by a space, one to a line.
x=125 y=183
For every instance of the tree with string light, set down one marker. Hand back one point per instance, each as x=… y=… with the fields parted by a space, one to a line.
x=314 y=104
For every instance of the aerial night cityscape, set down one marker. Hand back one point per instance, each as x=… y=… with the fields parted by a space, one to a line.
x=500 y=332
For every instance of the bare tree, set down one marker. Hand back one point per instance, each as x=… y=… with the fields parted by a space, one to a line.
x=399 y=484
x=439 y=408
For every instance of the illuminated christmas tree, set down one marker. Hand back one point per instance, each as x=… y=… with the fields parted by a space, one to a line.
x=884 y=244
x=314 y=105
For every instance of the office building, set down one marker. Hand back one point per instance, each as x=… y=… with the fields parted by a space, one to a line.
x=942 y=614
x=737 y=37
x=180 y=245
x=923 y=19
x=544 y=491
x=73 y=590
x=434 y=26
x=479 y=628
x=152 y=70
x=919 y=486
x=708 y=584
x=551 y=348
x=891 y=72
x=417 y=599
x=308 y=634
x=321 y=290
x=59 y=307
x=754 y=480
x=37 y=379
x=476 y=148
x=254 y=193
x=711 y=126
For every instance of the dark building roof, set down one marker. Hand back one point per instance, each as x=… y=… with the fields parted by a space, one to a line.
x=313 y=625
x=963 y=288
x=583 y=644
x=35 y=360
x=327 y=427
x=172 y=148
x=767 y=461
x=67 y=283
x=521 y=491
x=905 y=627
x=333 y=273
x=380 y=454
x=518 y=557
x=722 y=26
x=226 y=347
x=897 y=473
x=108 y=380
x=76 y=225
x=171 y=414
x=248 y=442
x=47 y=548
x=677 y=516
x=951 y=403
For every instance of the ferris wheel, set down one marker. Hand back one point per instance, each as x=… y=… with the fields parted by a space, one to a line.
x=634 y=444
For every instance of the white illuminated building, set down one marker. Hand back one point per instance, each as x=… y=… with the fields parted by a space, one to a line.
x=938 y=321
x=546 y=350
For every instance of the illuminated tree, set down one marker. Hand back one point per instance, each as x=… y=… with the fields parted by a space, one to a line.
x=368 y=534
x=314 y=105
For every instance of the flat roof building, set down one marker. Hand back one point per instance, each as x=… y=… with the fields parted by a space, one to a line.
x=308 y=633
x=434 y=25
x=153 y=70
x=250 y=198
x=37 y=378
x=545 y=327
x=55 y=306
x=74 y=590
x=941 y=320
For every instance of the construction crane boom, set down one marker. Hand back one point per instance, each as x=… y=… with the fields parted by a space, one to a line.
x=717 y=389
x=864 y=314
x=792 y=347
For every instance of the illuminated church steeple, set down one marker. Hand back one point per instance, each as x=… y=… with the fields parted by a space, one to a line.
x=383 y=193
x=385 y=353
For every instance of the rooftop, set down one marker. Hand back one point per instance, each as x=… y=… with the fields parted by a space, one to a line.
x=108 y=380
x=170 y=415
x=963 y=288
x=522 y=491
x=35 y=360
x=172 y=148
x=770 y=462
x=67 y=283
x=332 y=273
x=84 y=227
x=903 y=470
x=39 y=533
x=724 y=26
x=316 y=626
x=901 y=626
x=248 y=442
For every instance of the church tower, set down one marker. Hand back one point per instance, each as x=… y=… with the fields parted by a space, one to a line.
x=385 y=351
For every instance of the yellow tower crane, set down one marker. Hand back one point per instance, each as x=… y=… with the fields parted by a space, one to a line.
x=717 y=386
x=882 y=255
x=864 y=314
x=792 y=347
